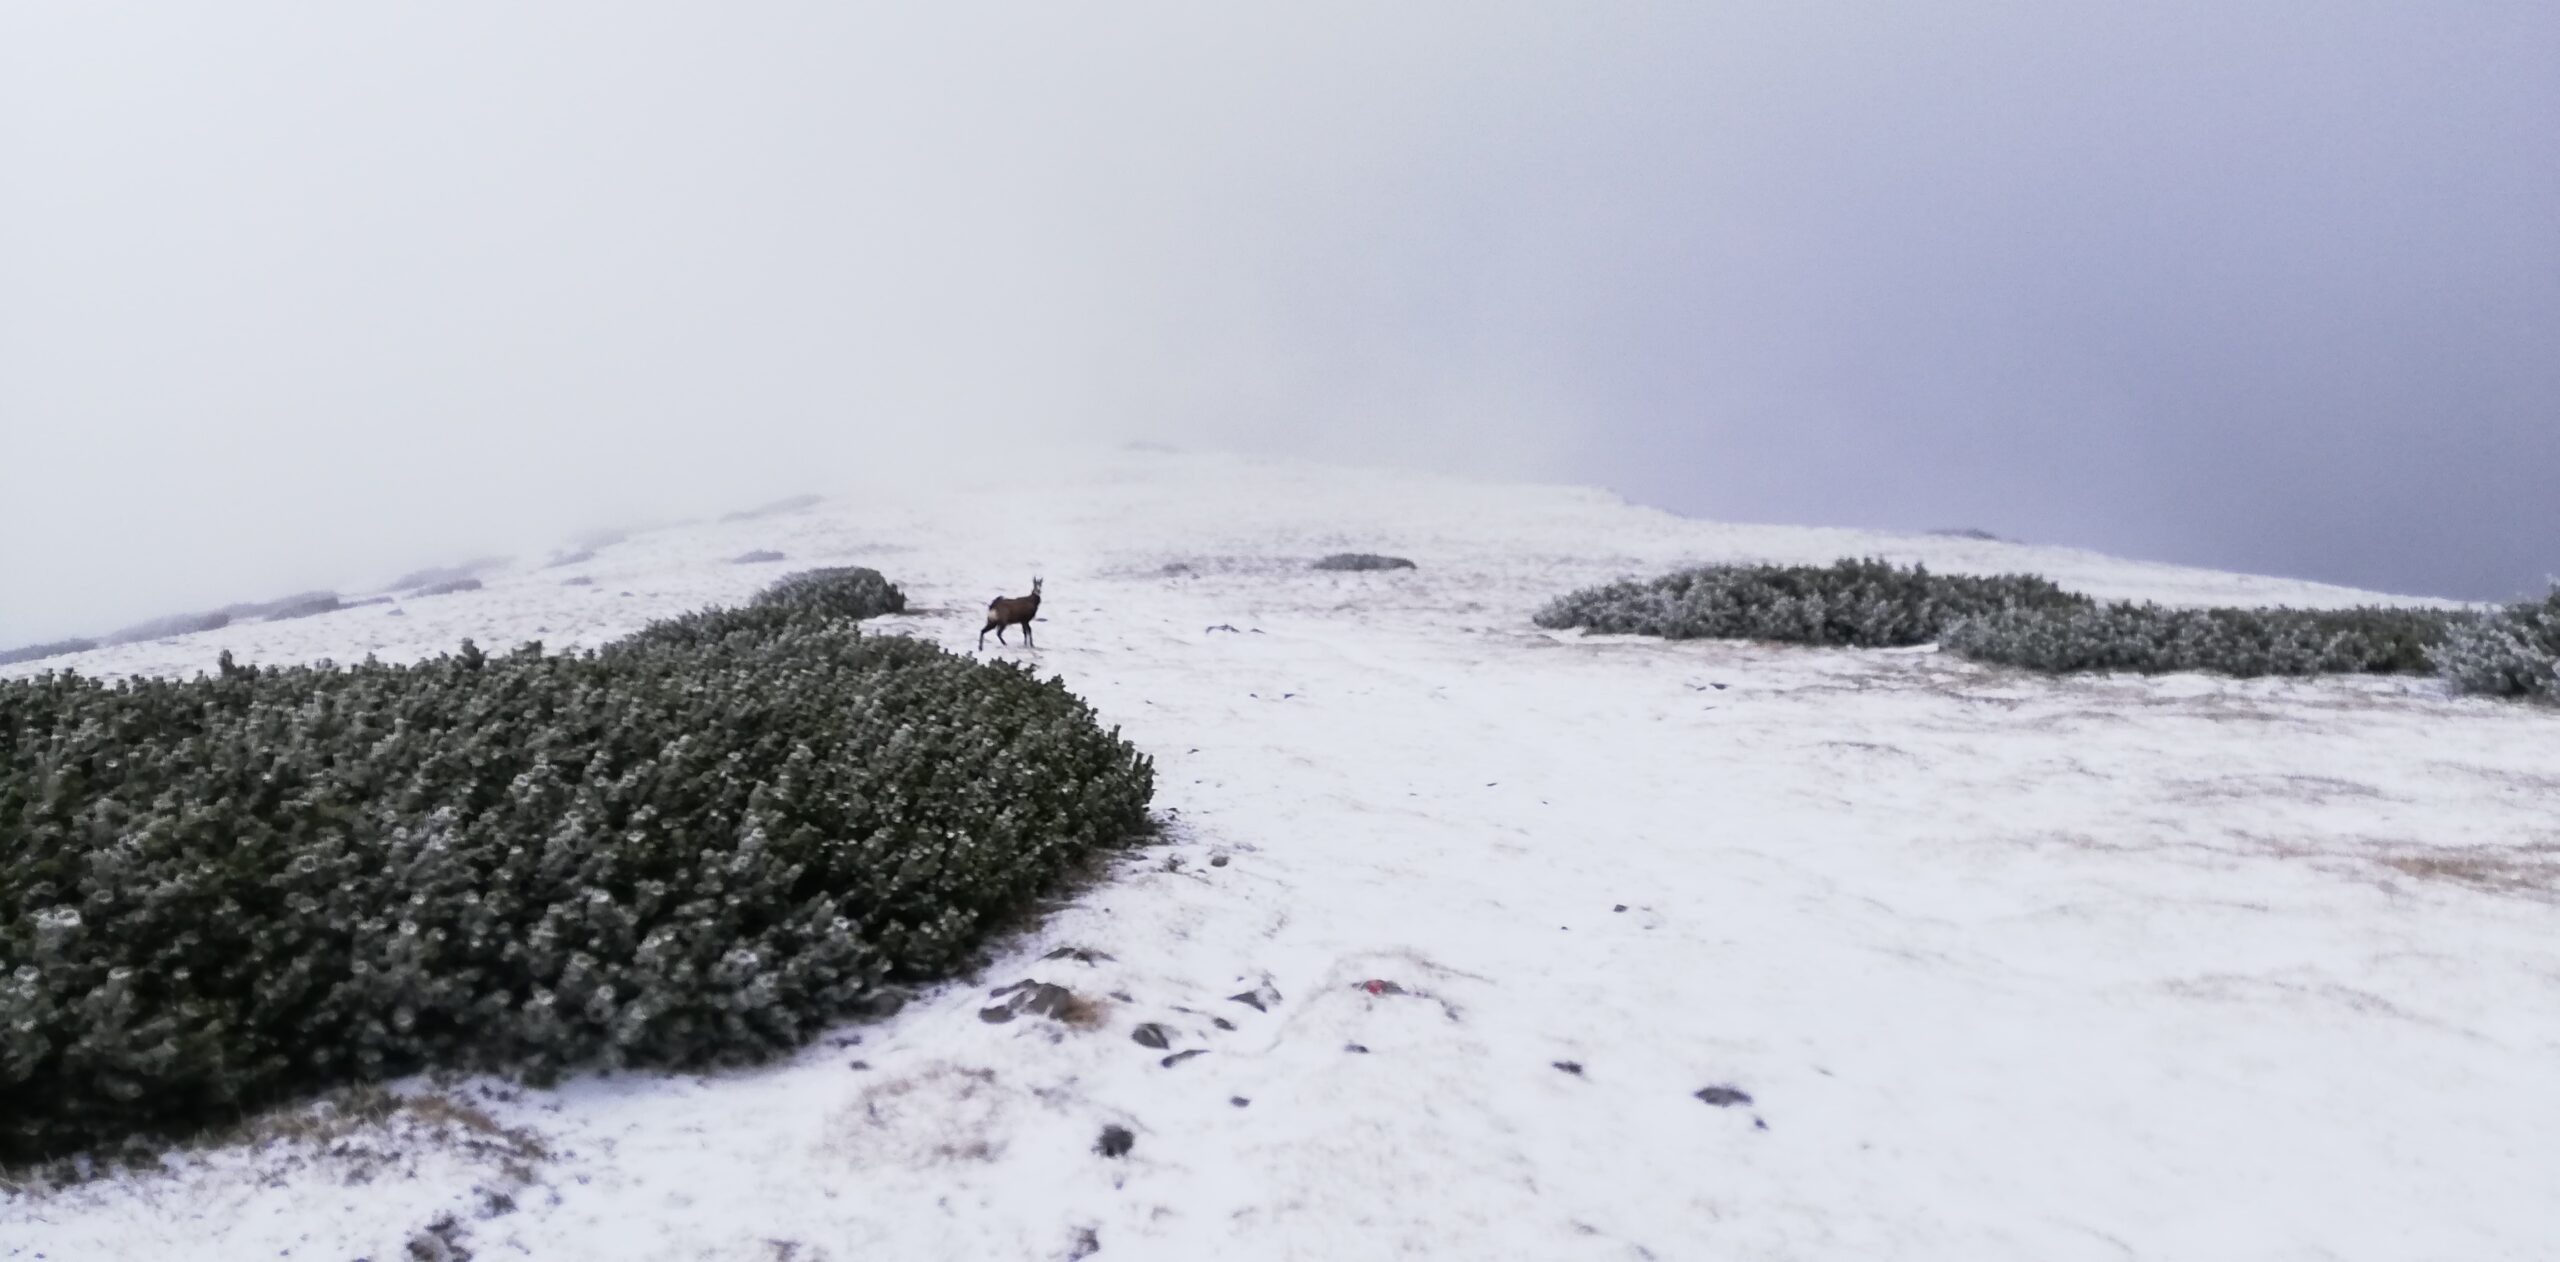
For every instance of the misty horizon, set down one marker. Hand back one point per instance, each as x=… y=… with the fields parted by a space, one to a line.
x=295 y=299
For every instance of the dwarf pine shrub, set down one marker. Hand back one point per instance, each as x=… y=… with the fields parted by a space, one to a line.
x=2514 y=652
x=1362 y=561
x=693 y=847
x=2148 y=638
x=1857 y=603
x=840 y=591
x=39 y=652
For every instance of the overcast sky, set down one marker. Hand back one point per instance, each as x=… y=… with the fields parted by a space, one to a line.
x=295 y=295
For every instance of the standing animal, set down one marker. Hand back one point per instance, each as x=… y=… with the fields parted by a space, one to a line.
x=1012 y=611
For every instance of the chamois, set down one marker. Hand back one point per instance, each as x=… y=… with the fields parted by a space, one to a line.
x=1012 y=611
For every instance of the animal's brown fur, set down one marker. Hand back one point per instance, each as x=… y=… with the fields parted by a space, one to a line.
x=1012 y=611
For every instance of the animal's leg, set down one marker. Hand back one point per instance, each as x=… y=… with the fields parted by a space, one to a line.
x=1026 y=634
x=1000 y=633
x=982 y=635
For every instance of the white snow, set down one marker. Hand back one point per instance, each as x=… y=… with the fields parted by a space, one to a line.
x=2009 y=966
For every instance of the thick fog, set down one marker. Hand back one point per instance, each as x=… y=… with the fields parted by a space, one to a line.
x=300 y=296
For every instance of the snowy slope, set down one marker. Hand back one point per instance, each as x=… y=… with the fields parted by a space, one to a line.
x=2008 y=967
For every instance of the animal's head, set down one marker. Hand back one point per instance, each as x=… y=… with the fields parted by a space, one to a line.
x=1035 y=584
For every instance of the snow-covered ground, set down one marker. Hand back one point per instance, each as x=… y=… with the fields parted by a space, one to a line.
x=2006 y=966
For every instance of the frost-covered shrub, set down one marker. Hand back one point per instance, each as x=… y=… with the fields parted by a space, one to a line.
x=682 y=850
x=1362 y=561
x=175 y=624
x=842 y=591
x=448 y=587
x=38 y=652
x=757 y=557
x=1858 y=603
x=2514 y=652
x=305 y=606
x=441 y=575
x=2151 y=639
x=791 y=504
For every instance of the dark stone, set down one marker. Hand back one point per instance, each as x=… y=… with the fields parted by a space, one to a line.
x=1152 y=1035
x=1238 y=1101
x=1355 y=1047
x=1116 y=1141
x=1179 y=1057
x=1573 y=1067
x=1037 y=998
x=1724 y=1097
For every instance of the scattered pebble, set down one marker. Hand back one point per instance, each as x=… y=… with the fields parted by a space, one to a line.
x=1238 y=1101
x=1179 y=1057
x=1573 y=1067
x=1152 y=1035
x=1355 y=1047
x=1116 y=1141
x=1724 y=1097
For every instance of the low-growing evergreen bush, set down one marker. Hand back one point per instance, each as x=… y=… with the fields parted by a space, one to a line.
x=789 y=504
x=1856 y=603
x=693 y=847
x=438 y=575
x=840 y=591
x=307 y=606
x=1360 y=561
x=173 y=625
x=39 y=652
x=2514 y=652
x=2243 y=642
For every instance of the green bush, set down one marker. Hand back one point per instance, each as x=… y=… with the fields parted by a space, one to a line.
x=693 y=847
x=2242 y=642
x=174 y=625
x=1361 y=561
x=444 y=575
x=2514 y=652
x=1858 y=603
x=39 y=652
x=844 y=591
